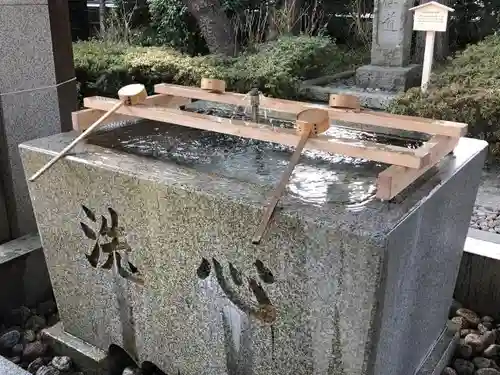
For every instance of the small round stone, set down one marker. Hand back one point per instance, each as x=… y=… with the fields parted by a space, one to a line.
x=448 y=371
x=131 y=371
x=463 y=351
x=492 y=351
x=9 y=339
x=19 y=316
x=469 y=315
x=16 y=360
x=489 y=338
x=487 y=371
x=34 y=350
x=17 y=349
x=455 y=305
x=487 y=325
x=61 y=363
x=29 y=336
x=461 y=322
x=47 y=308
x=465 y=332
x=47 y=370
x=463 y=367
x=35 y=365
x=483 y=327
x=475 y=341
x=481 y=362
x=36 y=323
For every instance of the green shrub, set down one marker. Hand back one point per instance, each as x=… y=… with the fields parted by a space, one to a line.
x=173 y=26
x=466 y=89
x=276 y=67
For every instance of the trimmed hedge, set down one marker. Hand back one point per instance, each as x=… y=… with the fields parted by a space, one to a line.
x=277 y=68
x=466 y=89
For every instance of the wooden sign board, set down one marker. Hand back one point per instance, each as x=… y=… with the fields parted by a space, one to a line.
x=431 y=16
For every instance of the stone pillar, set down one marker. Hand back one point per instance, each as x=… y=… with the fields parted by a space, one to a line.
x=390 y=67
x=37 y=91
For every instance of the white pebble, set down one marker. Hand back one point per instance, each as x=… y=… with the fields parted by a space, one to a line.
x=61 y=363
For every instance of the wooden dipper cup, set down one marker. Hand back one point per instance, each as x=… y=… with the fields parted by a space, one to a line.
x=129 y=95
x=344 y=101
x=213 y=85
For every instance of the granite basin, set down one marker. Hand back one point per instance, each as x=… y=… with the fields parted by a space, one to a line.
x=340 y=284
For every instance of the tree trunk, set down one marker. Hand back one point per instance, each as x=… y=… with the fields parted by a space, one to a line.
x=102 y=15
x=272 y=29
x=215 y=26
x=441 y=49
x=284 y=18
x=294 y=15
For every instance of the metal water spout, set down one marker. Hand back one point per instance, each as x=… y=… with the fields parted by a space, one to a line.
x=255 y=103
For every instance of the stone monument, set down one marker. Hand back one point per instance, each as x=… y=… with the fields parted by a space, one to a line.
x=389 y=73
x=37 y=93
x=390 y=67
x=147 y=232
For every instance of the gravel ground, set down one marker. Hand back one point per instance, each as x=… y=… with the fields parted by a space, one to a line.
x=485 y=219
x=478 y=352
x=21 y=341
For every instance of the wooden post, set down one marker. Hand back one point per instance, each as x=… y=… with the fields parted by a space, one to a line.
x=430 y=17
x=441 y=48
x=430 y=37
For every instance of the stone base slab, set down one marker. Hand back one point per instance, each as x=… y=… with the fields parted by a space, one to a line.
x=389 y=78
x=86 y=357
x=92 y=360
x=478 y=281
x=442 y=352
x=373 y=100
x=24 y=270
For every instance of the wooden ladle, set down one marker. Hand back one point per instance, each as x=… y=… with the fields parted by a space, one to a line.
x=309 y=123
x=129 y=95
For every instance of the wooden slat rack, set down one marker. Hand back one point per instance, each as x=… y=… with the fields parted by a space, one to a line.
x=406 y=165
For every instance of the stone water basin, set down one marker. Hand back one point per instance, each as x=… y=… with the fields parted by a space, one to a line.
x=340 y=284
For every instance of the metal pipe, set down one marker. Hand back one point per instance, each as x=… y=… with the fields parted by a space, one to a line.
x=255 y=103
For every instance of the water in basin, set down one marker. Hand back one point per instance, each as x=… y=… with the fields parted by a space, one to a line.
x=319 y=178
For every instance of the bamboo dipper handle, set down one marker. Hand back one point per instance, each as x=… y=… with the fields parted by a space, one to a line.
x=310 y=123
x=77 y=140
x=278 y=191
x=130 y=95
